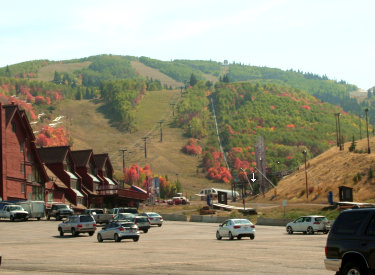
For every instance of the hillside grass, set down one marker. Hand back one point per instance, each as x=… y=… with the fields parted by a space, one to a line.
x=47 y=73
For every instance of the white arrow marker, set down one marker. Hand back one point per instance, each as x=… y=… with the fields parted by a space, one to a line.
x=253 y=179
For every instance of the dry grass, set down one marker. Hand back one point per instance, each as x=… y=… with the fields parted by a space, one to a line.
x=47 y=73
x=327 y=172
x=149 y=72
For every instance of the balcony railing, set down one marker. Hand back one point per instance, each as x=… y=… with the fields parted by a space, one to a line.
x=110 y=190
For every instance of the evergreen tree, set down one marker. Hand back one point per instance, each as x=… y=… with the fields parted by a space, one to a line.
x=193 y=80
x=352 y=146
x=78 y=95
x=7 y=71
x=56 y=78
x=226 y=78
x=87 y=94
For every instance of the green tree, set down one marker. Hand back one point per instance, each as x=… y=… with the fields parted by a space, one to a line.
x=193 y=80
x=78 y=95
x=56 y=78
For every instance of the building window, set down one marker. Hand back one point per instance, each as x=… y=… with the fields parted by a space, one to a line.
x=23 y=187
x=73 y=183
x=22 y=146
x=38 y=192
x=22 y=168
x=79 y=200
x=13 y=127
x=50 y=197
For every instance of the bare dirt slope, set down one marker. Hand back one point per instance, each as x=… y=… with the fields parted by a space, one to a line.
x=155 y=74
x=327 y=172
x=90 y=129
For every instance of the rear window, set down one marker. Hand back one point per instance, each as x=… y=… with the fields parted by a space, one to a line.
x=86 y=219
x=241 y=221
x=347 y=223
x=321 y=219
x=142 y=220
x=98 y=211
x=154 y=215
x=129 y=224
x=129 y=210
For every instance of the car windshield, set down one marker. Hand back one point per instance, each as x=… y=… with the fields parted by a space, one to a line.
x=128 y=210
x=321 y=219
x=241 y=221
x=124 y=216
x=15 y=208
x=62 y=206
x=86 y=219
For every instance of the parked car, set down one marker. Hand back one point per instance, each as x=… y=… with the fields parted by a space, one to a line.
x=178 y=200
x=36 y=209
x=309 y=225
x=236 y=228
x=154 y=218
x=119 y=210
x=78 y=224
x=14 y=212
x=118 y=231
x=99 y=215
x=59 y=211
x=350 y=243
x=142 y=222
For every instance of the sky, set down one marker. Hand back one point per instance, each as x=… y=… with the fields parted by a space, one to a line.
x=326 y=37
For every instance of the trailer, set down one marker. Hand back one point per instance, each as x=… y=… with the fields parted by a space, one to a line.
x=36 y=209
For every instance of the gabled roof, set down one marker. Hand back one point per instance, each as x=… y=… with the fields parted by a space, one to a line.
x=100 y=160
x=81 y=157
x=10 y=110
x=51 y=155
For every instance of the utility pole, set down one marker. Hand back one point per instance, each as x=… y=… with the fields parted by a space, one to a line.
x=337 y=130
x=360 y=126
x=145 y=140
x=368 y=139
x=172 y=104
x=340 y=137
x=123 y=158
x=161 y=130
x=304 y=152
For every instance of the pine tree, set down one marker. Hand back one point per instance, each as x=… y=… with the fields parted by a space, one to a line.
x=87 y=94
x=56 y=78
x=78 y=95
x=352 y=146
x=193 y=80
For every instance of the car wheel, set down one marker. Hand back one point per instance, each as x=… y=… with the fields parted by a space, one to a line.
x=100 y=239
x=58 y=218
x=11 y=218
x=353 y=268
x=48 y=218
x=310 y=230
x=218 y=235
x=231 y=236
x=91 y=233
x=61 y=232
x=159 y=225
x=135 y=239
x=325 y=231
x=25 y=219
x=145 y=230
x=74 y=233
x=117 y=238
x=38 y=218
x=252 y=237
x=289 y=230
x=239 y=237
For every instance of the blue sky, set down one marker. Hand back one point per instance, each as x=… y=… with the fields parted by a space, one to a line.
x=329 y=37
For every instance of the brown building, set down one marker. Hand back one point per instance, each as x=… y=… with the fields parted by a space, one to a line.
x=59 y=161
x=87 y=169
x=23 y=176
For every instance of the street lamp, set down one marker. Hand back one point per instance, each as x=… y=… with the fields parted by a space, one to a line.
x=304 y=152
x=368 y=139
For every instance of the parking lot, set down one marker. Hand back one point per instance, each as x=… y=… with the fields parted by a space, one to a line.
x=174 y=248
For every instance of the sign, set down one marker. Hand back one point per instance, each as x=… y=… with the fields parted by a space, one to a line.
x=284 y=203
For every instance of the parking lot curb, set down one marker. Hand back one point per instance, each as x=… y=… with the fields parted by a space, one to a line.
x=175 y=217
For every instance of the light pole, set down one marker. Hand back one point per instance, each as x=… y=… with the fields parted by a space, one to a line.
x=368 y=139
x=261 y=176
x=360 y=126
x=123 y=158
x=304 y=152
x=339 y=133
x=337 y=130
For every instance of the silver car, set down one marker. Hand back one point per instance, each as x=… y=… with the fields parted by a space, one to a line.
x=77 y=224
x=118 y=231
x=309 y=225
x=154 y=218
x=236 y=228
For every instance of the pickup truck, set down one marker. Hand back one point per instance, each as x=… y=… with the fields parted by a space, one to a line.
x=99 y=215
x=59 y=211
x=14 y=212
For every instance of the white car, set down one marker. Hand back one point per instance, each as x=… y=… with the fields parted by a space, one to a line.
x=154 y=218
x=236 y=228
x=309 y=225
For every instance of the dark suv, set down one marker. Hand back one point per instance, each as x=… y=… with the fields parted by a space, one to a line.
x=59 y=211
x=350 y=247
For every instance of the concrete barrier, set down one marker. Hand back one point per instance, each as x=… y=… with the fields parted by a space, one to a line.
x=196 y=218
x=174 y=217
x=208 y=218
x=273 y=222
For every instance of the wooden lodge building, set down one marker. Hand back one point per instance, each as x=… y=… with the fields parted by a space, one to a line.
x=56 y=174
